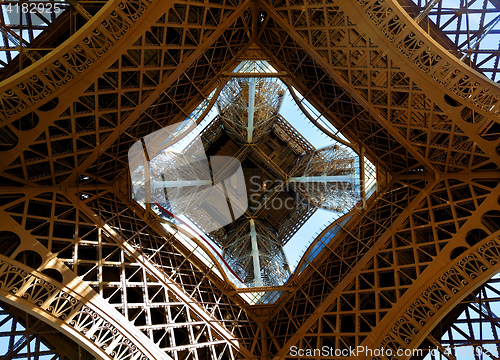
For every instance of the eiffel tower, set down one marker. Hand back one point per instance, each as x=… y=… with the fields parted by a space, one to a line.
x=101 y=258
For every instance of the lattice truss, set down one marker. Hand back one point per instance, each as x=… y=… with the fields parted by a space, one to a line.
x=323 y=178
x=329 y=161
x=180 y=182
x=113 y=100
x=401 y=258
x=409 y=127
x=129 y=287
x=274 y=267
x=32 y=29
x=470 y=28
x=336 y=196
x=472 y=328
x=426 y=120
x=170 y=178
x=25 y=337
x=234 y=106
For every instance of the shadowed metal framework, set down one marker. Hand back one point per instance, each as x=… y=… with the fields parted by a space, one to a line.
x=81 y=256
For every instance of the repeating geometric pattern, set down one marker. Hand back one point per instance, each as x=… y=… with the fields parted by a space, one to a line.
x=418 y=126
x=350 y=310
x=125 y=284
x=32 y=30
x=51 y=74
x=427 y=121
x=137 y=79
x=470 y=29
x=19 y=339
x=472 y=327
x=80 y=321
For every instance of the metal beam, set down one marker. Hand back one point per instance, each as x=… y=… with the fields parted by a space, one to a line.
x=323 y=179
x=255 y=74
x=48 y=337
x=355 y=271
x=255 y=254
x=160 y=89
x=251 y=109
x=362 y=189
x=164 y=279
x=426 y=11
x=72 y=286
x=311 y=118
x=81 y=10
x=328 y=68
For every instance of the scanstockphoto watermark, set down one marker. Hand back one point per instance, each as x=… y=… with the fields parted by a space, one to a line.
x=344 y=193
x=209 y=190
x=353 y=351
x=212 y=190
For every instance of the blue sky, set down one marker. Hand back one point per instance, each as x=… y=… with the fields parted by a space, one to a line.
x=307 y=233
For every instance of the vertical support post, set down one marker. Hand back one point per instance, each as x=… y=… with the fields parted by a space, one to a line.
x=362 y=190
x=265 y=349
x=255 y=254
x=147 y=178
x=287 y=264
x=251 y=109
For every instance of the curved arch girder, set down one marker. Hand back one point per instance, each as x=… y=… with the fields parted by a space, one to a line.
x=70 y=62
x=366 y=71
x=79 y=317
x=419 y=310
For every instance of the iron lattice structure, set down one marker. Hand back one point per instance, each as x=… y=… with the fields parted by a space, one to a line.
x=31 y=30
x=273 y=265
x=80 y=255
x=467 y=29
x=248 y=132
x=327 y=178
x=237 y=112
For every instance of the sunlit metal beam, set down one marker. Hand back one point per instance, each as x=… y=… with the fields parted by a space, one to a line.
x=251 y=109
x=255 y=254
